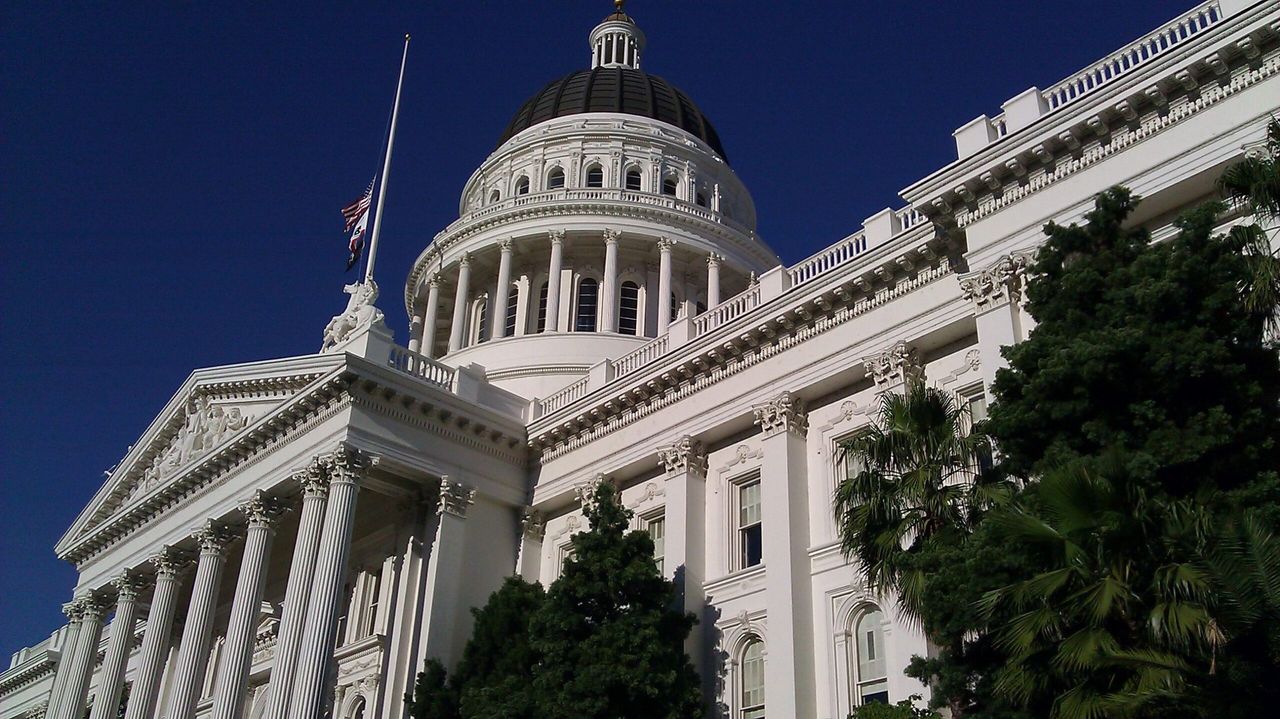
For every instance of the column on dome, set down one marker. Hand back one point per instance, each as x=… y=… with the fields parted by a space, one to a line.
x=553 y=280
x=713 y=280
x=498 y=313
x=685 y=465
x=533 y=529
x=346 y=468
x=997 y=295
x=111 y=678
x=789 y=685
x=609 y=290
x=664 y=284
x=441 y=632
x=314 y=482
x=157 y=634
x=430 y=317
x=415 y=329
x=457 y=330
x=261 y=512
x=193 y=650
x=894 y=368
x=86 y=614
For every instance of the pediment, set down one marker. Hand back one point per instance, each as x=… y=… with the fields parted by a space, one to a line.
x=211 y=409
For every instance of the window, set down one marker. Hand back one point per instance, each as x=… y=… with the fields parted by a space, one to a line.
x=750 y=531
x=588 y=293
x=629 y=308
x=370 y=624
x=513 y=303
x=976 y=403
x=595 y=176
x=633 y=179
x=555 y=179
x=669 y=186
x=522 y=186
x=701 y=198
x=872 y=682
x=482 y=320
x=699 y=307
x=542 y=307
x=752 y=680
x=675 y=306
x=657 y=528
x=495 y=196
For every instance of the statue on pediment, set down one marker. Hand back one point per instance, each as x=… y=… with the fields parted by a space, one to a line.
x=359 y=314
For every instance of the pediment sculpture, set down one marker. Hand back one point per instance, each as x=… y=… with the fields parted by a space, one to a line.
x=204 y=427
x=359 y=314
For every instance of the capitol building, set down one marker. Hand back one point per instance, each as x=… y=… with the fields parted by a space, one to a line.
x=295 y=537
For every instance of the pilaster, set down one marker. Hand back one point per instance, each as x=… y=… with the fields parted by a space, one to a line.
x=894 y=368
x=445 y=617
x=533 y=529
x=685 y=465
x=997 y=295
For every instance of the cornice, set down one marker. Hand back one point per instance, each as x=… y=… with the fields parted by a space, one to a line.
x=28 y=672
x=445 y=422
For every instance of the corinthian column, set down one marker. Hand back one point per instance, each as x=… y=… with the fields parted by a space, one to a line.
x=193 y=652
x=713 y=280
x=315 y=490
x=88 y=615
x=460 y=304
x=261 y=512
x=664 y=284
x=72 y=610
x=502 y=292
x=347 y=468
x=111 y=682
x=156 y=635
x=553 y=281
x=429 y=322
x=609 y=292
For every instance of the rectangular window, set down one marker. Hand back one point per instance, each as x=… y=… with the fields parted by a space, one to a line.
x=371 y=608
x=750 y=530
x=657 y=528
x=542 y=308
x=977 y=405
x=513 y=302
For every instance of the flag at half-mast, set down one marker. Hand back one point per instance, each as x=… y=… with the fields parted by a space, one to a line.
x=356 y=216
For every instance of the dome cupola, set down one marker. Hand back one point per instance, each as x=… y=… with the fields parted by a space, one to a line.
x=617 y=42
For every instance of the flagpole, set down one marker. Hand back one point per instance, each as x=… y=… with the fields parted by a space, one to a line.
x=386 y=168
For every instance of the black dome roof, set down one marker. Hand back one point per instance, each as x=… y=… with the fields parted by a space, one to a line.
x=615 y=89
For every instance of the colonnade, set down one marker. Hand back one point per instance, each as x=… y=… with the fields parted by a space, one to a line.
x=425 y=316
x=298 y=687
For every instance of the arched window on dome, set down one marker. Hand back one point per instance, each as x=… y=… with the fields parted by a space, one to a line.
x=629 y=308
x=522 y=185
x=670 y=185
x=871 y=685
x=595 y=176
x=633 y=179
x=494 y=196
x=480 y=319
x=513 y=304
x=701 y=198
x=588 y=298
x=542 y=308
x=555 y=179
x=751 y=682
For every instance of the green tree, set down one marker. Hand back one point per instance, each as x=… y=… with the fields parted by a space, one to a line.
x=611 y=643
x=905 y=709
x=1253 y=184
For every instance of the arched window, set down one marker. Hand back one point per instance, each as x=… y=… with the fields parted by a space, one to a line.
x=595 y=176
x=633 y=179
x=513 y=303
x=752 y=670
x=669 y=185
x=701 y=198
x=555 y=179
x=481 y=315
x=495 y=195
x=868 y=640
x=588 y=294
x=357 y=710
x=629 y=308
x=542 y=308
x=522 y=185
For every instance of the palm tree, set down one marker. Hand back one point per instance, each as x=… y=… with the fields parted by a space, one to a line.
x=1253 y=184
x=919 y=475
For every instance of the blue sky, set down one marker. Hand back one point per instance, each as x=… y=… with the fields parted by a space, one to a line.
x=171 y=175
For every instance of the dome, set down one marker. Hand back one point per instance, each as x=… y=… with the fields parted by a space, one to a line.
x=615 y=89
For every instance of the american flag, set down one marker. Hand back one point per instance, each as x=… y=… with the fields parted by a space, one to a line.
x=356 y=216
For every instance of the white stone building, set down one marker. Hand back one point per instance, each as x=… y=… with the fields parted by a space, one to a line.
x=294 y=537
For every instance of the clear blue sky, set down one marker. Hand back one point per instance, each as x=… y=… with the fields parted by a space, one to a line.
x=171 y=175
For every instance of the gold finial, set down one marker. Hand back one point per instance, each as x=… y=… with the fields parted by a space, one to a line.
x=617 y=5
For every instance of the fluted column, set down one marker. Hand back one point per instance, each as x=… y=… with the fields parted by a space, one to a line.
x=72 y=611
x=460 y=304
x=609 y=291
x=499 y=321
x=664 y=284
x=315 y=491
x=428 y=346
x=346 y=469
x=193 y=652
x=713 y=280
x=111 y=682
x=156 y=636
x=261 y=512
x=83 y=657
x=553 y=281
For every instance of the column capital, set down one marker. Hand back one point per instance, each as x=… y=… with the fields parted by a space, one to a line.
x=214 y=538
x=784 y=413
x=897 y=363
x=169 y=561
x=348 y=464
x=465 y=260
x=686 y=454
x=85 y=608
x=433 y=280
x=611 y=236
x=556 y=236
x=505 y=246
x=455 y=497
x=665 y=244
x=1003 y=281
x=532 y=524
x=128 y=586
x=313 y=479
x=261 y=510
x=714 y=260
